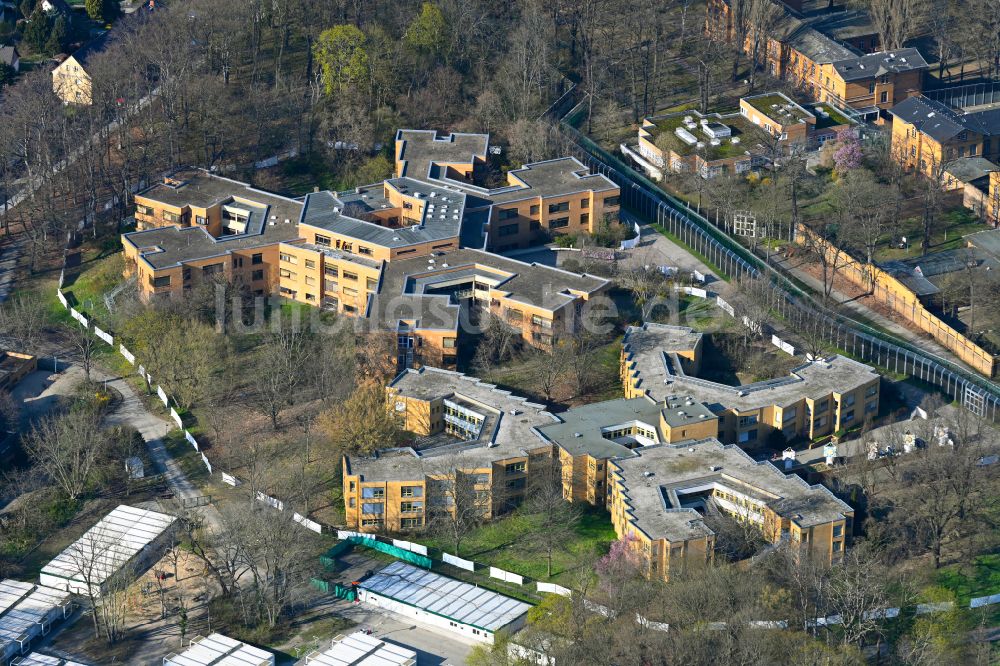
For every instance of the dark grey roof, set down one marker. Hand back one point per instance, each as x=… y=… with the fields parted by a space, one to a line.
x=968 y=169
x=272 y=219
x=816 y=46
x=936 y=120
x=88 y=50
x=442 y=218
x=406 y=289
x=579 y=432
x=876 y=64
x=8 y=54
x=650 y=482
x=422 y=148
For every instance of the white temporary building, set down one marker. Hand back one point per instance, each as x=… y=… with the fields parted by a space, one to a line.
x=39 y=659
x=27 y=611
x=128 y=536
x=450 y=604
x=219 y=650
x=360 y=649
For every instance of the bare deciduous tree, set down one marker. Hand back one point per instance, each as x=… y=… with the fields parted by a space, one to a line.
x=68 y=447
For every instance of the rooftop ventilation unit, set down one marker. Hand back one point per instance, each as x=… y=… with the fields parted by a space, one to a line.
x=577 y=434
x=714 y=468
x=647 y=474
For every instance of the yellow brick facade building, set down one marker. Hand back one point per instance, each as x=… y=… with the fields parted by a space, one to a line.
x=409 y=253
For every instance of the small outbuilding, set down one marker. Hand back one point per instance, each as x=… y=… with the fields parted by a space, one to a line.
x=437 y=600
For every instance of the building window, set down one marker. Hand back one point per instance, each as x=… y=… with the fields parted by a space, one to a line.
x=310 y=281
x=310 y=297
x=143 y=210
x=871 y=406
x=350 y=276
x=534 y=210
x=285 y=273
x=871 y=390
x=514 y=315
x=788 y=414
x=748 y=436
x=367 y=251
x=559 y=207
x=611 y=201
x=349 y=292
x=848 y=417
x=559 y=223
x=371 y=522
x=871 y=87
x=171 y=217
x=507 y=214
x=508 y=230
x=373 y=507
x=257 y=259
x=448 y=343
x=331 y=271
x=411 y=507
x=411 y=491
x=748 y=420
x=371 y=284
x=372 y=493
x=323 y=240
x=838 y=530
x=541 y=321
x=585 y=203
x=310 y=263
x=200 y=220
x=516 y=468
x=288 y=259
x=257 y=275
x=163 y=281
x=585 y=218
x=535 y=226
x=849 y=400
x=409 y=523
x=838 y=546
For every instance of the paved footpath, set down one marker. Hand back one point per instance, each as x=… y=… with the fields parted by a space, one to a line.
x=133 y=412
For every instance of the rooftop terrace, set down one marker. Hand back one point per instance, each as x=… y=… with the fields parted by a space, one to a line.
x=779 y=108
x=742 y=130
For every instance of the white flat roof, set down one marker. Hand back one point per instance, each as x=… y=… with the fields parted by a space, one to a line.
x=450 y=598
x=219 y=650
x=39 y=659
x=360 y=649
x=23 y=609
x=109 y=544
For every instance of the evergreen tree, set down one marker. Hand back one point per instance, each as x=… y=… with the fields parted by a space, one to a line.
x=102 y=10
x=58 y=38
x=7 y=74
x=37 y=32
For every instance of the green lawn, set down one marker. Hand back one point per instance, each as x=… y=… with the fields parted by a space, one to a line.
x=947 y=234
x=980 y=580
x=505 y=544
x=99 y=273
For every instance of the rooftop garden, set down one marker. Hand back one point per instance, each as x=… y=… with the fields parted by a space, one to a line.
x=665 y=138
x=832 y=119
x=770 y=104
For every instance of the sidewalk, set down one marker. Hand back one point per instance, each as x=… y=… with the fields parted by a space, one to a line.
x=854 y=308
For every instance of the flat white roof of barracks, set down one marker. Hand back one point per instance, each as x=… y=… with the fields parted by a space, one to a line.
x=106 y=547
x=360 y=649
x=447 y=597
x=219 y=650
